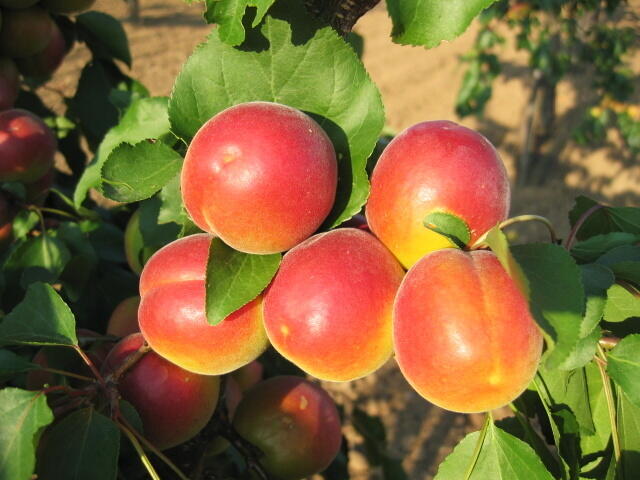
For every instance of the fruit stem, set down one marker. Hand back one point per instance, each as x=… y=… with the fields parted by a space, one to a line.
x=479 y=443
x=143 y=456
x=608 y=342
x=55 y=211
x=123 y=421
x=571 y=238
x=131 y=360
x=89 y=363
x=606 y=383
x=532 y=218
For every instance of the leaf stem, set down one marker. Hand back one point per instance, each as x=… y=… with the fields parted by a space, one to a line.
x=606 y=383
x=123 y=421
x=89 y=363
x=143 y=456
x=532 y=218
x=66 y=374
x=56 y=211
x=571 y=238
x=131 y=360
x=479 y=443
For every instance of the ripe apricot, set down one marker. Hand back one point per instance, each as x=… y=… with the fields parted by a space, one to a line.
x=463 y=334
x=172 y=313
x=294 y=423
x=124 y=318
x=24 y=32
x=262 y=176
x=328 y=309
x=173 y=404
x=435 y=166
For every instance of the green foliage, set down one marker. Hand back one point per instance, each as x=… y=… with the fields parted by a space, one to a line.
x=235 y=278
x=623 y=365
x=228 y=14
x=22 y=415
x=450 y=226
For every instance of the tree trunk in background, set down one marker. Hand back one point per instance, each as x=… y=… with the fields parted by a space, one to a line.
x=538 y=124
x=134 y=10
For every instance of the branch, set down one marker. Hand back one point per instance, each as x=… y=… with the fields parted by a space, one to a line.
x=342 y=15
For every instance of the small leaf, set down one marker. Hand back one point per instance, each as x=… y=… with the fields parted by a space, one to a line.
x=135 y=172
x=604 y=220
x=235 y=278
x=499 y=244
x=596 y=280
x=24 y=222
x=105 y=36
x=145 y=118
x=623 y=366
x=171 y=206
x=557 y=299
x=502 y=456
x=11 y=364
x=621 y=304
x=42 y=318
x=429 y=22
x=83 y=445
x=38 y=259
x=22 y=415
x=450 y=226
x=629 y=432
x=591 y=249
x=228 y=14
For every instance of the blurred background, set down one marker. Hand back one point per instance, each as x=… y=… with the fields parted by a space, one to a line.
x=535 y=108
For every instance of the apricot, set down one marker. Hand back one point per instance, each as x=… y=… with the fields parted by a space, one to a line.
x=44 y=63
x=294 y=423
x=27 y=146
x=430 y=167
x=172 y=313
x=9 y=83
x=463 y=334
x=262 y=176
x=232 y=397
x=328 y=309
x=6 y=223
x=124 y=318
x=173 y=404
x=247 y=376
x=24 y=32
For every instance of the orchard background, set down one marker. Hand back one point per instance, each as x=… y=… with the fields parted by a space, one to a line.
x=416 y=85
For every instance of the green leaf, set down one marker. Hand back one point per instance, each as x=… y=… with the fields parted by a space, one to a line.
x=596 y=442
x=629 y=433
x=450 y=226
x=557 y=299
x=105 y=36
x=273 y=64
x=497 y=240
x=429 y=22
x=135 y=172
x=145 y=118
x=604 y=220
x=83 y=445
x=228 y=14
x=22 y=415
x=42 y=318
x=11 y=364
x=623 y=253
x=623 y=366
x=171 y=206
x=24 y=222
x=155 y=233
x=502 y=456
x=38 y=259
x=235 y=278
x=621 y=304
x=591 y=249
x=596 y=279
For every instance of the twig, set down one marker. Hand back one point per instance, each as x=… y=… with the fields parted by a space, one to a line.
x=66 y=374
x=130 y=361
x=143 y=456
x=478 y=448
x=90 y=364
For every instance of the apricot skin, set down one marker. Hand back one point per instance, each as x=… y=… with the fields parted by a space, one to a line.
x=437 y=166
x=173 y=404
x=294 y=423
x=328 y=310
x=463 y=334
x=44 y=63
x=24 y=32
x=124 y=318
x=172 y=316
x=262 y=176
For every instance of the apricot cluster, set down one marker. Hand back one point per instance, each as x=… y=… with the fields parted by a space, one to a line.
x=262 y=177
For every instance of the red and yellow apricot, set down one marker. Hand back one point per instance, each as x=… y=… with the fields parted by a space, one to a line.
x=173 y=404
x=294 y=423
x=27 y=146
x=430 y=167
x=328 y=309
x=247 y=376
x=172 y=313
x=463 y=334
x=44 y=63
x=262 y=176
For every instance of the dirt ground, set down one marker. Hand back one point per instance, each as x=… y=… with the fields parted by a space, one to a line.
x=416 y=85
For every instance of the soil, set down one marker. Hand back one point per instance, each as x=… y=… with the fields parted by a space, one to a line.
x=416 y=85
